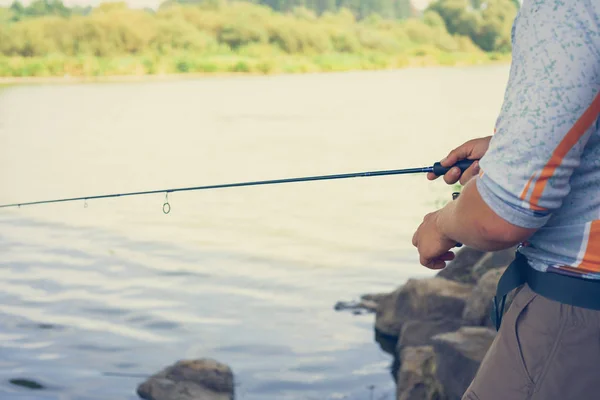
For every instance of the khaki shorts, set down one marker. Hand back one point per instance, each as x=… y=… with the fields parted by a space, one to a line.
x=544 y=350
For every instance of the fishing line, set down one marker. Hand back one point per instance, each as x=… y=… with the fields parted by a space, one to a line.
x=437 y=169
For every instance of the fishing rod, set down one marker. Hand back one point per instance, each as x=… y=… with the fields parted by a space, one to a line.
x=437 y=169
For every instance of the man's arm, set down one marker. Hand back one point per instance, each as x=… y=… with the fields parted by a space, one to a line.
x=550 y=112
x=469 y=220
x=488 y=231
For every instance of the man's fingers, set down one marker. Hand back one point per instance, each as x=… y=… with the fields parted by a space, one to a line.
x=431 y=176
x=433 y=264
x=449 y=256
x=424 y=261
x=452 y=176
x=469 y=173
x=439 y=262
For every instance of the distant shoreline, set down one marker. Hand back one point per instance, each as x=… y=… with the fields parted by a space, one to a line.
x=168 y=77
x=113 y=43
x=10 y=80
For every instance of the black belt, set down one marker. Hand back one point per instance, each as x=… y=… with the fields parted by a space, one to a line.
x=578 y=292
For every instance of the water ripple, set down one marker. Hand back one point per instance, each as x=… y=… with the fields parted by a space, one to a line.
x=248 y=276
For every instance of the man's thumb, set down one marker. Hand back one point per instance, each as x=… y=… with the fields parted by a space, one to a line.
x=459 y=153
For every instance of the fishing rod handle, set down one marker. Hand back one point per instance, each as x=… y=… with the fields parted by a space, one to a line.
x=439 y=170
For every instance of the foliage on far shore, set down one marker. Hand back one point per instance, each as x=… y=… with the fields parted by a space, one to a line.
x=212 y=36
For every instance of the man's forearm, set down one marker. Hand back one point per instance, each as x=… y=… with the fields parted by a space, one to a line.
x=471 y=221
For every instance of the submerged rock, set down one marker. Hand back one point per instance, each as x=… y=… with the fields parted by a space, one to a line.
x=368 y=303
x=203 y=379
x=458 y=356
x=357 y=307
x=421 y=299
x=27 y=383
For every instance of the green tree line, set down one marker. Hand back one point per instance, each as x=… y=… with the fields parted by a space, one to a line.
x=46 y=38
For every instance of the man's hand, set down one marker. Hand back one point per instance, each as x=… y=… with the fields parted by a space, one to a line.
x=433 y=246
x=472 y=150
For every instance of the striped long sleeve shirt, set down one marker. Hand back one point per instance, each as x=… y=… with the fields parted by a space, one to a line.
x=542 y=169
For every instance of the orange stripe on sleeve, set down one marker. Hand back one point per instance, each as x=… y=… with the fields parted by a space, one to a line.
x=526 y=190
x=561 y=151
x=591 y=259
x=537 y=208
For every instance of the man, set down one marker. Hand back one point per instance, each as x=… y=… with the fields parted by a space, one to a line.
x=537 y=184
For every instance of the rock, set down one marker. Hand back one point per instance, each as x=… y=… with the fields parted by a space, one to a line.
x=416 y=377
x=368 y=305
x=423 y=299
x=386 y=322
x=356 y=307
x=479 y=305
x=460 y=269
x=492 y=260
x=478 y=309
x=27 y=383
x=458 y=355
x=374 y=297
x=420 y=332
x=203 y=379
x=387 y=343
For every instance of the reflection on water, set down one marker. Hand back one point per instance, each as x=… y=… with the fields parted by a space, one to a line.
x=92 y=298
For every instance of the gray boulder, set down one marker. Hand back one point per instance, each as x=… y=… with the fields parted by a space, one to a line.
x=479 y=305
x=419 y=332
x=374 y=297
x=416 y=377
x=203 y=379
x=493 y=260
x=423 y=299
x=458 y=356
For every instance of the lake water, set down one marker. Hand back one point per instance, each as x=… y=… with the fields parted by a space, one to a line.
x=94 y=298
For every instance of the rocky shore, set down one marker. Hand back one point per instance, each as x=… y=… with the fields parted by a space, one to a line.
x=439 y=328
